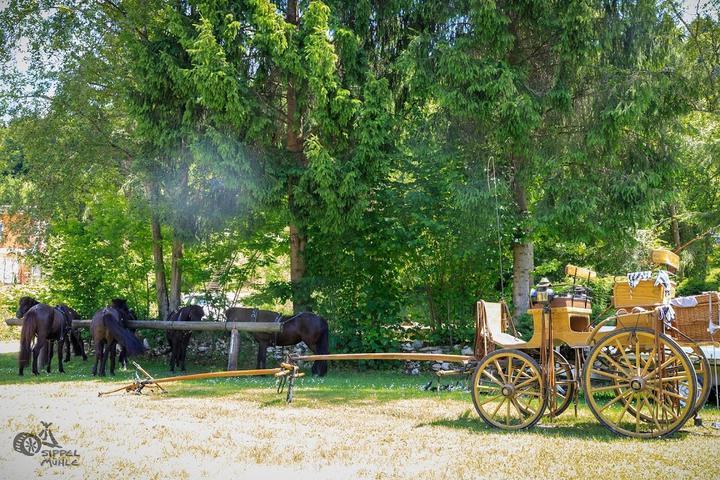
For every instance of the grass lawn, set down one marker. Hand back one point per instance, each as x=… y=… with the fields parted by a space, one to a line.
x=351 y=424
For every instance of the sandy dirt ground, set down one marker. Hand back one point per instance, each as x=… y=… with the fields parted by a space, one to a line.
x=253 y=434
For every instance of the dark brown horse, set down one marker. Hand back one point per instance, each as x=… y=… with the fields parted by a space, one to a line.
x=179 y=339
x=304 y=327
x=45 y=323
x=108 y=330
x=74 y=338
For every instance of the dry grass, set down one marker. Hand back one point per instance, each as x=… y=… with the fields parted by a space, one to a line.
x=334 y=430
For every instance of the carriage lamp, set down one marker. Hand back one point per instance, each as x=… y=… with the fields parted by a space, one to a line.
x=543 y=292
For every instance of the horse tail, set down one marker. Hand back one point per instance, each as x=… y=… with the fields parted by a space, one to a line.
x=323 y=348
x=26 y=335
x=132 y=344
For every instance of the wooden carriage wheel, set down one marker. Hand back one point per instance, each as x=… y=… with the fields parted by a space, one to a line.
x=640 y=385
x=507 y=390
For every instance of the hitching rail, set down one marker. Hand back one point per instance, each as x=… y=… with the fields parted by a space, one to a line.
x=233 y=327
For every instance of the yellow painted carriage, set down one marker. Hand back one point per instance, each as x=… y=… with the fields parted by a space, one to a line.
x=642 y=370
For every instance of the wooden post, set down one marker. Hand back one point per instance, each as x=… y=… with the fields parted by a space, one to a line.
x=234 y=349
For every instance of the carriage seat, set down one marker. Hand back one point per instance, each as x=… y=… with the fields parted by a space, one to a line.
x=491 y=322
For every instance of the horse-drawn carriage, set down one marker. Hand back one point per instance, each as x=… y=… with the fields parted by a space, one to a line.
x=642 y=370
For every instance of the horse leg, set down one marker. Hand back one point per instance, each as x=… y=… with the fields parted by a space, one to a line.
x=183 y=352
x=81 y=344
x=103 y=357
x=173 y=352
x=98 y=356
x=113 y=353
x=61 y=343
x=50 y=351
x=39 y=345
x=67 y=347
x=262 y=355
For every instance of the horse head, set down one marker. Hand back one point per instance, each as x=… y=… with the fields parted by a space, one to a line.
x=120 y=304
x=194 y=313
x=25 y=304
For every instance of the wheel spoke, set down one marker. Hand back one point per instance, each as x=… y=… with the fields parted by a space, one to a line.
x=489 y=399
x=621 y=349
x=609 y=375
x=520 y=408
x=507 y=412
x=623 y=412
x=651 y=359
x=525 y=383
x=521 y=371
x=492 y=415
x=509 y=369
x=500 y=371
x=617 y=399
x=617 y=366
x=491 y=377
x=609 y=387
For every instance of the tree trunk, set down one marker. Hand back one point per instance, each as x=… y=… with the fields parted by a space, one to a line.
x=298 y=238
x=176 y=275
x=160 y=281
x=431 y=307
x=674 y=226
x=523 y=251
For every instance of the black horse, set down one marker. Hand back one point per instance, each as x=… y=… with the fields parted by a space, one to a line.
x=74 y=338
x=304 y=327
x=108 y=330
x=179 y=339
x=47 y=324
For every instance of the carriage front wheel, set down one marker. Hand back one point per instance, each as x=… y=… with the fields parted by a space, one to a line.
x=640 y=385
x=507 y=390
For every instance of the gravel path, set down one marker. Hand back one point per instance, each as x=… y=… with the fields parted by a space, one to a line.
x=253 y=434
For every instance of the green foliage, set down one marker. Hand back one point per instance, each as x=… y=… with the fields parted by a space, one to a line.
x=100 y=256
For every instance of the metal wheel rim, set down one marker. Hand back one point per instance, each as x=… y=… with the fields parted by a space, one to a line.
x=631 y=380
x=507 y=390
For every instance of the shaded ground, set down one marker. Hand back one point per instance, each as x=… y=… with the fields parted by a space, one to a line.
x=352 y=425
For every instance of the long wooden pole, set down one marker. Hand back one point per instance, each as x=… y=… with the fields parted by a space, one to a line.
x=265 y=327
x=431 y=357
x=196 y=376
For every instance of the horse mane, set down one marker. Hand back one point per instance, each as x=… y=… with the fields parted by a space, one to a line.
x=25 y=304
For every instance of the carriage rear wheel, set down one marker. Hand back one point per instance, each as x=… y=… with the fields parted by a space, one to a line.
x=638 y=387
x=507 y=390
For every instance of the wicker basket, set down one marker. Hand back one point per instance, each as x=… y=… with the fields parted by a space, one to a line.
x=645 y=294
x=693 y=321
